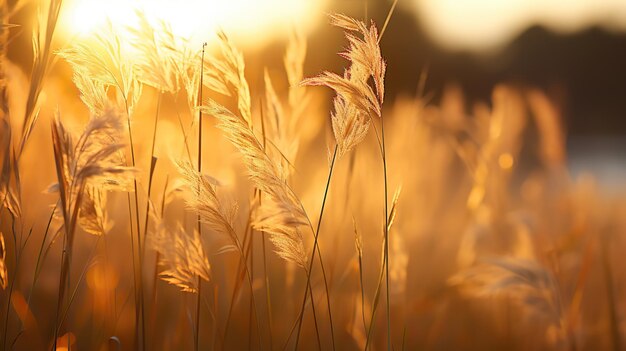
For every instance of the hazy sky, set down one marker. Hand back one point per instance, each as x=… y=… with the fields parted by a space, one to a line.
x=250 y=21
x=485 y=24
x=455 y=24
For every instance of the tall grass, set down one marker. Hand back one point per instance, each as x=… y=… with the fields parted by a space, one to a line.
x=484 y=250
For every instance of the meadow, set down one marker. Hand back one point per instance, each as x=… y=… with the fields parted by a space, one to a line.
x=157 y=195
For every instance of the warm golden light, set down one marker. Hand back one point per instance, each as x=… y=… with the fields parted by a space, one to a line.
x=347 y=187
x=251 y=21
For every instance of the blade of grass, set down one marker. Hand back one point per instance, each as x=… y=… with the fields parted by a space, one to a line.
x=308 y=279
x=382 y=133
x=199 y=101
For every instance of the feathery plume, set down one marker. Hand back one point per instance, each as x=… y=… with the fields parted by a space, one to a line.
x=298 y=96
x=280 y=139
x=356 y=100
x=283 y=123
x=92 y=216
x=203 y=199
x=181 y=254
x=93 y=93
x=283 y=213
x=156 y=60
x=228 y=73
x=295 y=55
x=92 y=162
x=42 y=44
x=102 y=58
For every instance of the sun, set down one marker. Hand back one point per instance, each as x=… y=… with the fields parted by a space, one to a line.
x=250 y=21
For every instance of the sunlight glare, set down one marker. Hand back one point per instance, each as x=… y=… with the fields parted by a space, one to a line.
x=250 y=21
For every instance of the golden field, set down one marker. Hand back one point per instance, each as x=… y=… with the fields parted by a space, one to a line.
x=160 y=193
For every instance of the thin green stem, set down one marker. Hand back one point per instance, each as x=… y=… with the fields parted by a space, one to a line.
x=78 y=283
x=153 y=161
x=256 y=313
x=315 y=240
x=243 y=261
x=132 y=249
x=198 y=302
x=139 y=246
x=238 y=278
x=382 y=132
x=362 y=290
x=375 y=305
x=251 y=255
x=6 y=318
x=138 y=286
x=267 y=290
x=296 y=322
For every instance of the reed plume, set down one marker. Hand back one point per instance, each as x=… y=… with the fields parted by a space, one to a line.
x=93 y=92
x=353 y=105
x=93 y=160
x=284 y=121
x=92 y=216
x=227 y=76
x=102 y=58
x=281 y=215
x=42 y=49
x=181 y=255
x=88 y=165
x=203 y=199
x=158 y=59
x=356 y=100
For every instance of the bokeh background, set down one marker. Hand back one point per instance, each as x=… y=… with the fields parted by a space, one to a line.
x=554 y=197
x=573 y=49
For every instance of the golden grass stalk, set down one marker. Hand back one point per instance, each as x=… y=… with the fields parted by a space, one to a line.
x=7 y=195
x=310 y=268
x=298 y=97
x=282 y=212
x=10 y=196
x=205 y=202
x=384 y=266
x=199 y=101
x=42 y=47
x=103 y=59
x=153 y=162
x=91 y=161
x=356 y=100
